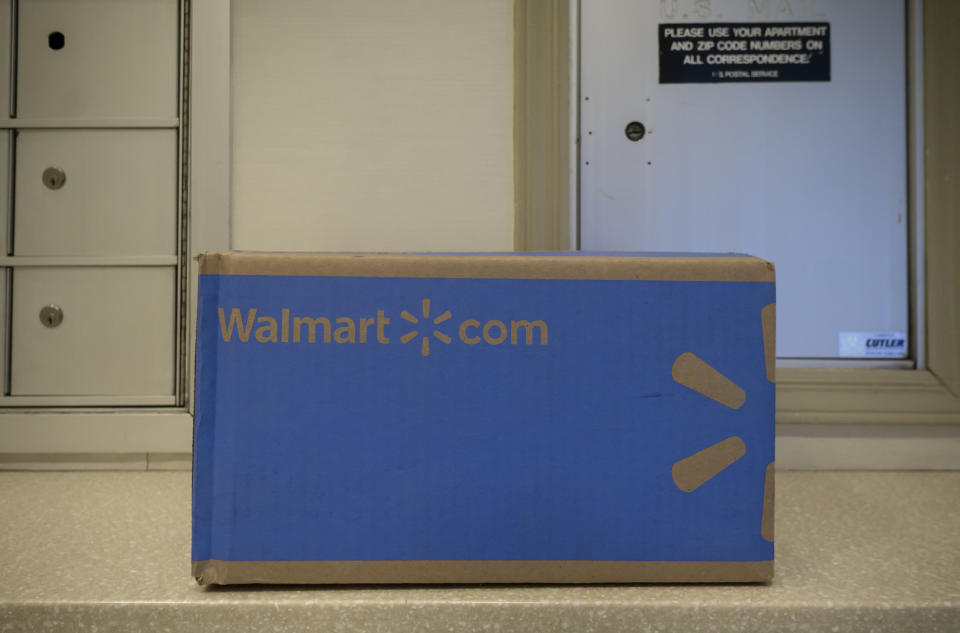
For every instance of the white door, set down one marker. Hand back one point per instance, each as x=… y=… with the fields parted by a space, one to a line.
x=96 y=59
x=788 y=143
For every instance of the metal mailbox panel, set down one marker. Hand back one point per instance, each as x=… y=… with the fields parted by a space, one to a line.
x=115 y=334
x=96 y=192
x=97 y=59
x=5 y=36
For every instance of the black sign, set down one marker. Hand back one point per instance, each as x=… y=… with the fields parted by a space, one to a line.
x=748 y=51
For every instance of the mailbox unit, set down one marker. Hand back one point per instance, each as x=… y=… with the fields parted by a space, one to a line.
x=90 y=182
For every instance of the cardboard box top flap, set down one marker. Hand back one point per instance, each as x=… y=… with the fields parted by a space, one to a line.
x=611 y=266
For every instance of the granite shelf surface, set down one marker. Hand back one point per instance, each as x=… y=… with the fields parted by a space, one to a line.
x=856 y=551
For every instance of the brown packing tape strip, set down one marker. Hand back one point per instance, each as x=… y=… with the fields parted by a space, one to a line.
x=692 y=472
x=477 y=571
x=766 y=520
x=209 y=263
x=768 y=320
x=693 y=372
x=734 y=268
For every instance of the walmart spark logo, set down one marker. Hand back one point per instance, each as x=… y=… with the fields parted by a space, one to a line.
x=425 y=341
x=691 y=371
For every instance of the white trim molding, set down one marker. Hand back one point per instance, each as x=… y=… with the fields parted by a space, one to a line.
x=107 y=431
x=210 y=149
x=864 y=396
x=210 y=126
x=868 y=447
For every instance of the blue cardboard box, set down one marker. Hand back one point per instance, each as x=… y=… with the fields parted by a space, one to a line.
x=484 y=418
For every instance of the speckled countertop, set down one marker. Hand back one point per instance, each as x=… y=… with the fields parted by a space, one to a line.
x=110 y=552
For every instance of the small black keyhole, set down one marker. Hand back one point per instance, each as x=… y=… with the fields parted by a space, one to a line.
x=56 y=40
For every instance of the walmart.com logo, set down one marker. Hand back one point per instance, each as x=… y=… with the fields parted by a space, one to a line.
x=287 y=328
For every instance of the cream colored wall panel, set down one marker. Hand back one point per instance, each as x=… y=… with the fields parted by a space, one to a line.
x=116 y=336
x=373 y=125
x=6 y=33
x=119 y=196
x=118 y=59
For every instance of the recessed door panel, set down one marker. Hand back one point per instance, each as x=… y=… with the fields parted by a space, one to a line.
x=96 y=193
x=97 y=59
x=93 y=331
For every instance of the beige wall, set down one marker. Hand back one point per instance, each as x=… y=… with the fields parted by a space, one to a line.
x=372 y=125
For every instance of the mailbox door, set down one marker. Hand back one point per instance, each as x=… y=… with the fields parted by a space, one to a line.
x=93 y=331
x=106 y=192
x=99 y=59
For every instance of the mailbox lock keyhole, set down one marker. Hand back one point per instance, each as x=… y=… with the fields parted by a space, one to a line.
x=51 y=315
x=635 y=131
x=54 y=177
x=56 y=40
